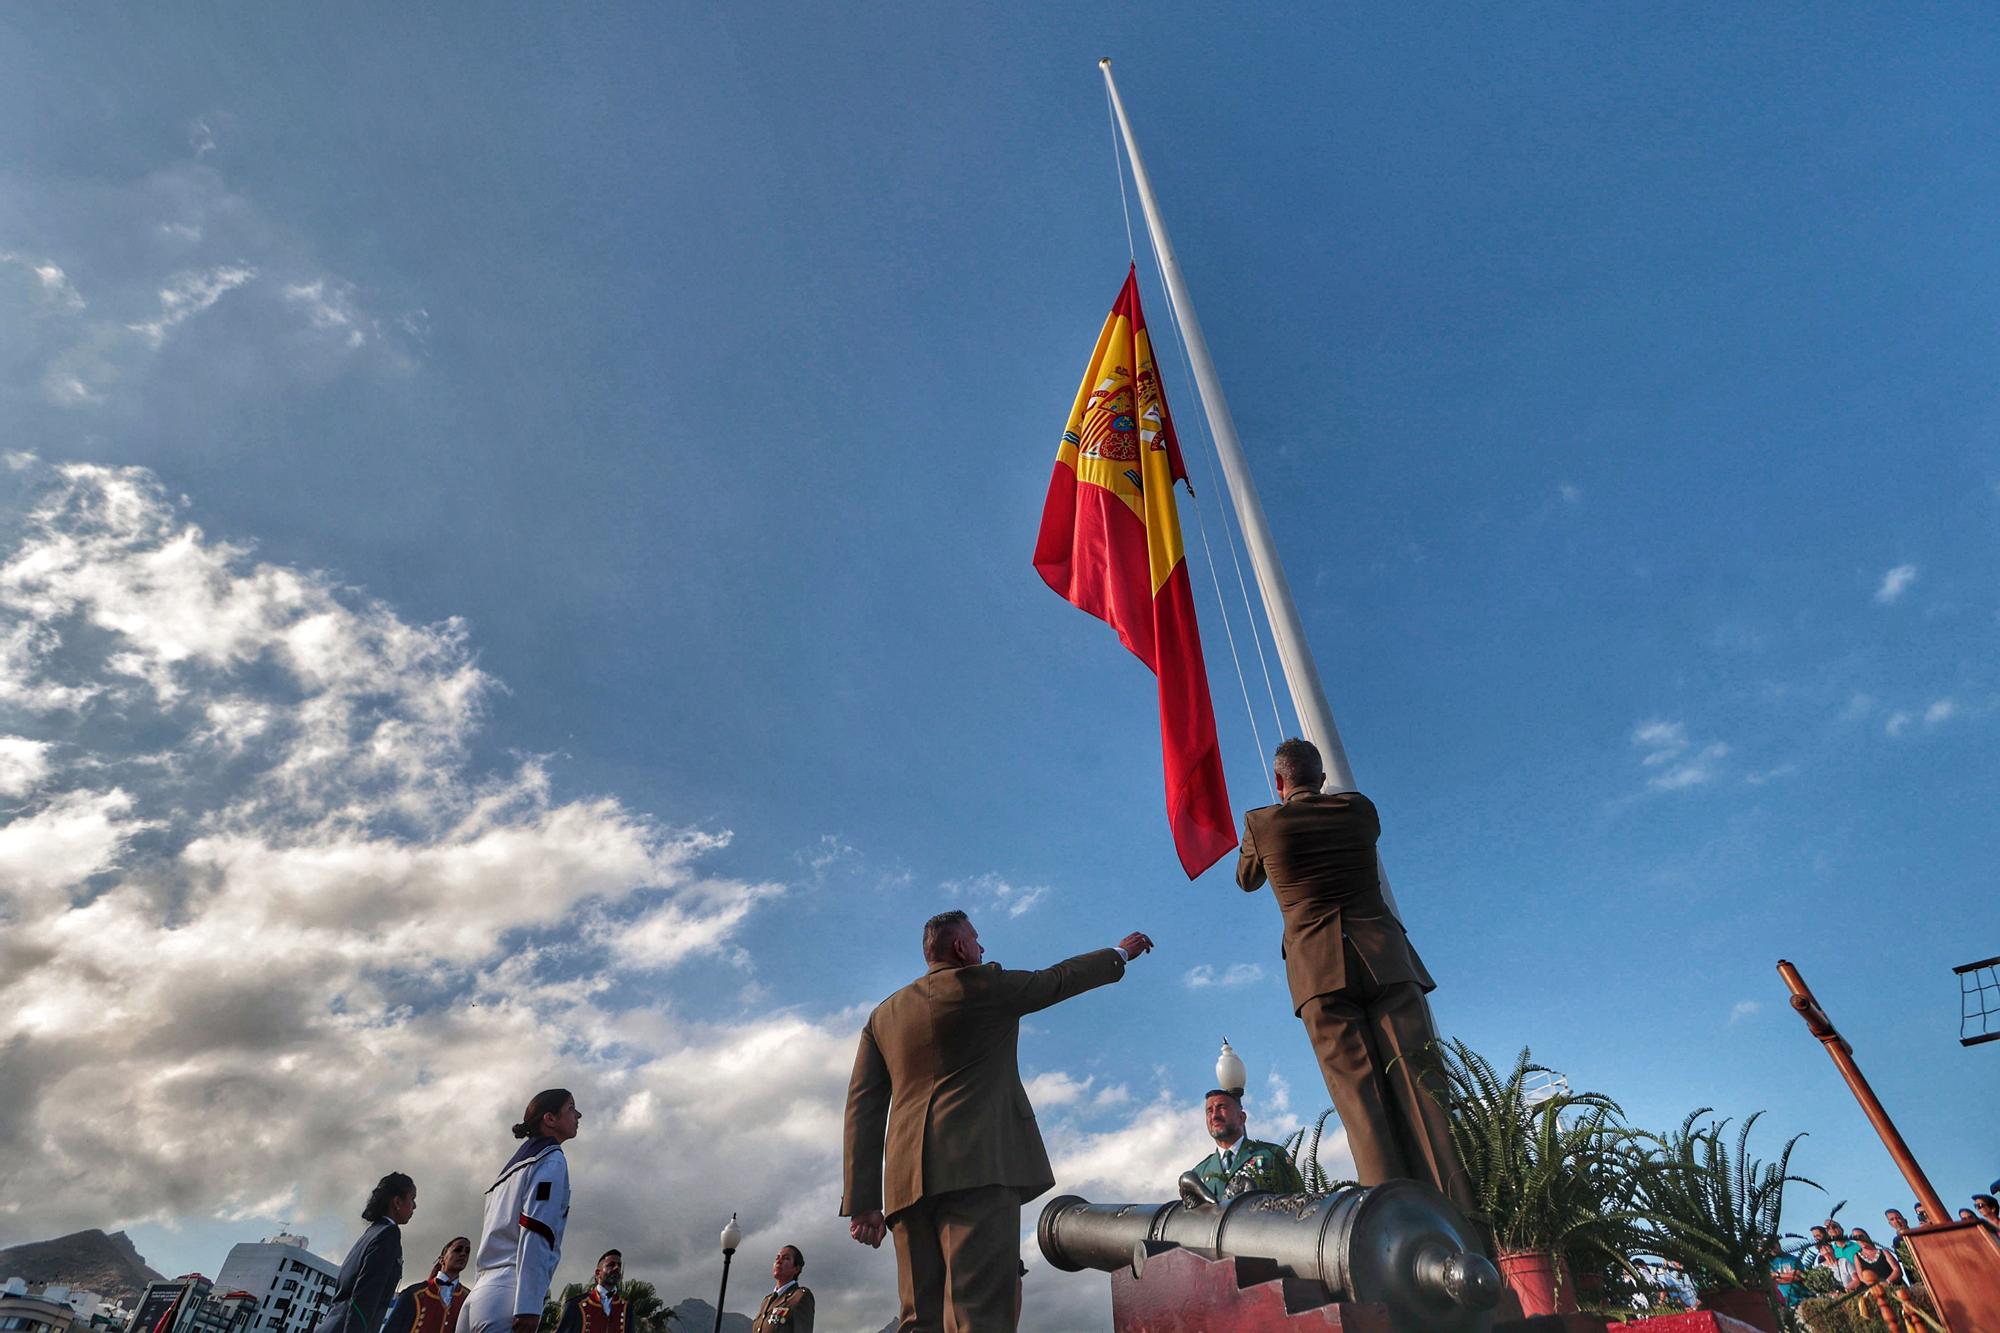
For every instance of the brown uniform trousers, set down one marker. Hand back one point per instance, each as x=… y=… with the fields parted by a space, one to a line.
x=941 y=1136
x=1356 y=983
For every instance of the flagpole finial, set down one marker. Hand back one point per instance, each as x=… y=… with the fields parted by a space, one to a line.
x=1104 y=62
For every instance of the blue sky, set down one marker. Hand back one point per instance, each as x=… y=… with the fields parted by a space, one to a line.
x=659 y=403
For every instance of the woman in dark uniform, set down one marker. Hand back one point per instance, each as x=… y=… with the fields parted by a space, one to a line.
x=369 y=1274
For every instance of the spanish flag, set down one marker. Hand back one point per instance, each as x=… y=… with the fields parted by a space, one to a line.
x=1111 y=545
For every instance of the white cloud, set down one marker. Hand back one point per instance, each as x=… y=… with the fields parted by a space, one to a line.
x=829 y=852
x=1278 y=1096
x=1236 y=974
x=201 y=137
x=1569 y=492
x=23 y=763
x=1743 y=1009
x=1137 y=1161
x=1898 y=722
x=69 y=390
x=52 y=285
x=672 y=932
x=1661 y=741
x=329 y=305
x=991 y=891
x=1666 y=747
x=187 y=295
x=1056 y=1088
x=1895 y=583
x=259 y=885
x=1940 y=711
x=159 y=251
x=1692 y=772
x=45 y=854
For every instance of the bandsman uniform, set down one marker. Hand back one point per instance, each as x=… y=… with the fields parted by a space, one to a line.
x=430 y=1306
x=595 y=1310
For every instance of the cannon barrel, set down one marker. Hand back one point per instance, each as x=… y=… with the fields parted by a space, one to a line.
x=1399 y=1243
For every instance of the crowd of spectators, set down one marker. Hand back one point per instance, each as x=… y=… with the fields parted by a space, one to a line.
x=1836 y=1260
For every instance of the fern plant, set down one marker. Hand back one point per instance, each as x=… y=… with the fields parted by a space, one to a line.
x=1302 y=1146
x=1551 y=1170
x=1714 y=1209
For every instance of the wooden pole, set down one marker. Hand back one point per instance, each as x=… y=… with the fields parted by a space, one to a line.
x=1821 y=1026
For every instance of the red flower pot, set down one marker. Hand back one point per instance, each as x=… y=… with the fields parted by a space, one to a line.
x=1541 y=1282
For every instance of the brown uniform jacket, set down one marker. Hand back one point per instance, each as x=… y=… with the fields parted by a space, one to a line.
x=1318 y=851
x=789 y=1313
x=936 y=1095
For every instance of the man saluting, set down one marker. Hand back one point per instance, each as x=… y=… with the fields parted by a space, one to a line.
x=1356 y=983
x=942 y=1147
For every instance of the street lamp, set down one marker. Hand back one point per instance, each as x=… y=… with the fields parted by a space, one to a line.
x=732 y=1236
x=1229 y=1073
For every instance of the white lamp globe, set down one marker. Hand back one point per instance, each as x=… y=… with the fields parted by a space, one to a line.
x=1229 y=1072
x=732 y=1236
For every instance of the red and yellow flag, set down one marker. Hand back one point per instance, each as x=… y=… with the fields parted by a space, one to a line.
x=1111 y=544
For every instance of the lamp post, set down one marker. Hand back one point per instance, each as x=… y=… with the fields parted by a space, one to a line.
x=732 y=1236
x=1229 y=1072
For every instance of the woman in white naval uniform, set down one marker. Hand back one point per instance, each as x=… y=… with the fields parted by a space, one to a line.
x=521 y=1240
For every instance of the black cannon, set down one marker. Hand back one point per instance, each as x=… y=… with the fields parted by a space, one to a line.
x=1399 y=1243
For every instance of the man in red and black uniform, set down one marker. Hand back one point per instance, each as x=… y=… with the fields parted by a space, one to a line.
x=599 y=1307
x=431 y=1306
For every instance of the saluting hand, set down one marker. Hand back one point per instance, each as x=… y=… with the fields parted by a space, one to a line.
x=1135 y=944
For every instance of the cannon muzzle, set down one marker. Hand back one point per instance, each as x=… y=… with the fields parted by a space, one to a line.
x=1399 y=1243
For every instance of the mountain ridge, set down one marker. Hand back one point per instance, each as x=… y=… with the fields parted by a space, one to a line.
x=109 y=1265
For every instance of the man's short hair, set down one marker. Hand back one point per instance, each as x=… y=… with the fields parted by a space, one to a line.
x=1986 y=1198
x=1299 y=763
x=1222 y=1092
x=939 y=932
x=797 y=1257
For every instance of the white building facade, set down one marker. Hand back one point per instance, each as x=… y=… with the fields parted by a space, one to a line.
x=291 y=1283
x=44 y=1311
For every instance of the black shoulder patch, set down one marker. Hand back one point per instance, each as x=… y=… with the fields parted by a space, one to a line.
x=542 y=1192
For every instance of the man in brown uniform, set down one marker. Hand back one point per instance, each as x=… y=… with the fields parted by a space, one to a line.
x=789 y=1307
x=1356 y=982
x=936 y=1099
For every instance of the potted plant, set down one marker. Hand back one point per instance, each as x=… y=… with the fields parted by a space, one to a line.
x=1303 y=1148
x=1550 y=1171
x=1716 y=1211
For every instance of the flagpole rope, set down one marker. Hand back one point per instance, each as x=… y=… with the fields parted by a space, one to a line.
x=1118 y=170
x=1242 y=683
x=1229 y=535
x=1201 y=519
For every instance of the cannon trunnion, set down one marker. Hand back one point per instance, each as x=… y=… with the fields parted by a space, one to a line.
x=1400 y=1244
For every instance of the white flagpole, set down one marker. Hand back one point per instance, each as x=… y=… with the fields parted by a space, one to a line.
x=1287 y=632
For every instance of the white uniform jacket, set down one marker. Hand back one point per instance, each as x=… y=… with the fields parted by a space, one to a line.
x=521 y=1241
